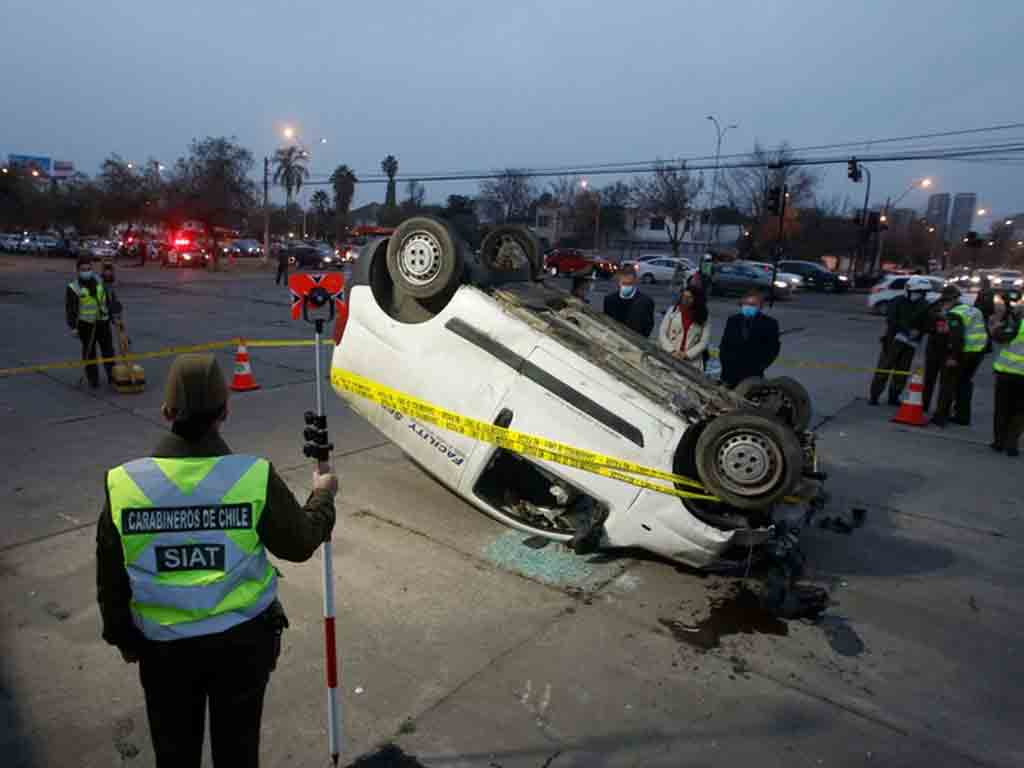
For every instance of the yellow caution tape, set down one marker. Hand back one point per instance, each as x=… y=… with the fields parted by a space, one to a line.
x=164 y=352
x=517 y=442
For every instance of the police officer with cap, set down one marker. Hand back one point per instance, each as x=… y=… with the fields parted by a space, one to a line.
x=968 y=340
x=184 y=584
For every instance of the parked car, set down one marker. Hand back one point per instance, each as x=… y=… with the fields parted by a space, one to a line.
x=735 y=279
x=661 y=270
x=568 y=261
x=312 y=257
x=524 y=355
x=796 y=282
x=244 y=248
x=893 y=286
x=816 y=277
x=1006 y=279
x=10 y=243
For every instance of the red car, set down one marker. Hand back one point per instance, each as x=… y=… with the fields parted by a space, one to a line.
x=567 y=261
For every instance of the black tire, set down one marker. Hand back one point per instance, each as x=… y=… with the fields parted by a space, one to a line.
x=510 y=249
x=881 y=308
x=750 y=461
x=424 y=260
x=783 y=397
x=647 y=279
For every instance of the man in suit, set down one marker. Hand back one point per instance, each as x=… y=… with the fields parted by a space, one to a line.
x=633 y=309
x=750 y=343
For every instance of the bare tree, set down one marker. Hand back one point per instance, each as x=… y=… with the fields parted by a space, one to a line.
x=509 y=195
x=747 y=188
x=669 y=193
x=564 y=190
x=416 y=195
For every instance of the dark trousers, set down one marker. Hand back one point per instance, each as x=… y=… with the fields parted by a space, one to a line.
x=282 y=271
x=93 y=336
x=956 y=389
x=934 y=359
x=893 y=357
x=1008 y=421
x=230 y=671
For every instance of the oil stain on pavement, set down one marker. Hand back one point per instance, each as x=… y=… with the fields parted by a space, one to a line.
x=388 y=756
x=735 y=613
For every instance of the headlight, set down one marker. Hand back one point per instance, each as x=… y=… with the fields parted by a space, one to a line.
x=975 y=279
x=1018 y=282
x=844 y=278
x=781 y=284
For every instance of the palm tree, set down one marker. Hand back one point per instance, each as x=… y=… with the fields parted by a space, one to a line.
x=290 y=170
x=321 y=204
x=343 y=180
x=389 y=165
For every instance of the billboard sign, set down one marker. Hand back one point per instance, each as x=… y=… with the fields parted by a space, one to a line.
x=42 y=164
x=63 y=168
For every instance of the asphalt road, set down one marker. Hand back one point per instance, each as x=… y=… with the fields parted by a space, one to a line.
x=470 y=649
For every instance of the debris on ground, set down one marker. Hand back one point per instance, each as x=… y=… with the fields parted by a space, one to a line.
x=388 y=756
x=738 y=611
x=841 y=636
x=843 y=523
x=54 y=609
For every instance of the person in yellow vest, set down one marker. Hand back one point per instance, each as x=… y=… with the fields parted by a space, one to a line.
x=87 y=311
x=968 y=338
x=1008 y=420
x=184 y=584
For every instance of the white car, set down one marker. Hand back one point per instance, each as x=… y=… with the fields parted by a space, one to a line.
x=1006 y=280
x=661 y=269
x=498 y=345
x=894 y=286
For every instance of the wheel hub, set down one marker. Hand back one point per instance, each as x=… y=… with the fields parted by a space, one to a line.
x=419 y=259
x=510 y=254
x=748 y=462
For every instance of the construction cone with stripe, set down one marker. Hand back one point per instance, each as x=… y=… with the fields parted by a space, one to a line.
x=912 y=408
x=243 y=380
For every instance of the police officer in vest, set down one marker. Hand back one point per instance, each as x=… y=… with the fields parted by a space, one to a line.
x=184 y=583
x=968 y=337
x=1008 y=421
x=87 y=311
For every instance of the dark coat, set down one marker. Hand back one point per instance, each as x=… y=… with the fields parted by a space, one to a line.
x=287 y=529
x=636 y=313
x=748 y=347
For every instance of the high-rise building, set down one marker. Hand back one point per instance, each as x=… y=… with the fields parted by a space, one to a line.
x=962 y=219
x=938 y=214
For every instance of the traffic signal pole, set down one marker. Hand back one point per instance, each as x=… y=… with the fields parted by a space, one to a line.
x=266 y=208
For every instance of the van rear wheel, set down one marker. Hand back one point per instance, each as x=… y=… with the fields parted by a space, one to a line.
x=424 y=260
x=748 y=460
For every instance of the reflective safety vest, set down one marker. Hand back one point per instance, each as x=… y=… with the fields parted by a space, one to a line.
x=188 y=532
x=1011 y=357
x=90 y=307
x=975 y=332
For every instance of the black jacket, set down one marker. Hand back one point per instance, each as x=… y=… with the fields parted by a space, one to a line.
x=636 y=313
x=287 y=529
x=749 y=346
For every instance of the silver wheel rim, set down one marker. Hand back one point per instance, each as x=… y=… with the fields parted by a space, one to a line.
x=749 y=464
x=419 y=259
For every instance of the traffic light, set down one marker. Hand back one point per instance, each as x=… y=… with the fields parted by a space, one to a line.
x=773 y=203
x=853 y=170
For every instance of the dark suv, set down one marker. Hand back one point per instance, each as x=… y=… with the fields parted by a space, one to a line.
x=816 y=277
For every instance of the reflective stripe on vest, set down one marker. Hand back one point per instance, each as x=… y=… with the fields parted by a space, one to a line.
x=1011 y=357
x=89 y=307
x=195 y=562
x=975 y=333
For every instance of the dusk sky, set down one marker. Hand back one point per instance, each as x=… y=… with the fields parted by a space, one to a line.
x=479 y=85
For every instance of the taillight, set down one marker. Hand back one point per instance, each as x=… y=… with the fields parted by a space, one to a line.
x=876 y=289
x=181 y=241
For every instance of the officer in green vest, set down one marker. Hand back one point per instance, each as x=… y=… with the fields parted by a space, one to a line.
x=185 y=586
x=1008 y=421
x=968 y=337
x=87 y=311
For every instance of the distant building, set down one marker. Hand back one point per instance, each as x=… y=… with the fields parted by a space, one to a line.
x=962 y=219
x=938 y=214
x=900 y=219
x=364 y=216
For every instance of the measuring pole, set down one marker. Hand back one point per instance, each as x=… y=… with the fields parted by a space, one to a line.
x=318 y=448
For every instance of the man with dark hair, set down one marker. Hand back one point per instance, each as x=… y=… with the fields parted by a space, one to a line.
x=633 y=309
x=750 y=343
x=87 y=312
x=184 y=584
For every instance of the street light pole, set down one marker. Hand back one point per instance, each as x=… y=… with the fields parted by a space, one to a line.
x=266 y=207
x=720 y=132
x=883 y=218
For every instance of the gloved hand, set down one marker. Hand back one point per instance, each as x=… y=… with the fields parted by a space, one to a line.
x=325 y=480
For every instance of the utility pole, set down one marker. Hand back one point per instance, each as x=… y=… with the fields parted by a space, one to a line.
x=266 y=207
x=714 y=181
x=883 y=219
x=865 y=231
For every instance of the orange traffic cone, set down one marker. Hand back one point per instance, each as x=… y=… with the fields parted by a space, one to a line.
x=243 y=380
x=912 y=408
